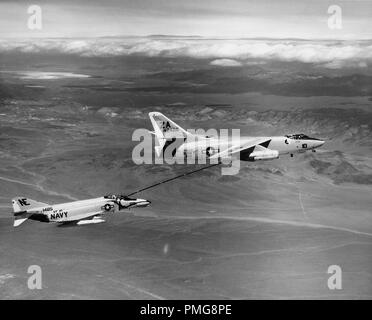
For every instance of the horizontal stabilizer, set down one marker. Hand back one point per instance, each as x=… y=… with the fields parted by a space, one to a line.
x=18 y=222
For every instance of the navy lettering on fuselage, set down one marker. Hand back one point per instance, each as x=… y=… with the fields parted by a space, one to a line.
x=58 y=215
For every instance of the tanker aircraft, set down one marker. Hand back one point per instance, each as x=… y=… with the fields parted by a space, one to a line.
x=167 y=132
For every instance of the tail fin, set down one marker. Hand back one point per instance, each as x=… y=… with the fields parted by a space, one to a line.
x=165 y=130
x=23 y=208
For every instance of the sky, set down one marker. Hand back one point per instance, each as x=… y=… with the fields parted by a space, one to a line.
x=208 y=18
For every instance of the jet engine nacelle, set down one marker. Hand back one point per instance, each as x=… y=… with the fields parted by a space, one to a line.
x=263 y=155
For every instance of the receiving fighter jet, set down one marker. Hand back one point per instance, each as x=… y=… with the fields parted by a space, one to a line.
x=167 y=131
x=77 y=212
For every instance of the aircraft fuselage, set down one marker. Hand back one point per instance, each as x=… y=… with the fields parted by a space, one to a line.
x=81 y=211
x=282 y=144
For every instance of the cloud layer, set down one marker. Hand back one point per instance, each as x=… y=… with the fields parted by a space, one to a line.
x=328 y=53
x=225 y=63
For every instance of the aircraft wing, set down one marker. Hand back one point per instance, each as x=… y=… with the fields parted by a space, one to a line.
x=236 y=148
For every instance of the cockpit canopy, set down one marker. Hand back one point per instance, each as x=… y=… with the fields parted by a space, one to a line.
x=115 y=197
x=300 y=136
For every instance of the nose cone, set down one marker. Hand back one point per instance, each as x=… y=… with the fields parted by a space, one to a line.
x=319 y=143
x=142 y=203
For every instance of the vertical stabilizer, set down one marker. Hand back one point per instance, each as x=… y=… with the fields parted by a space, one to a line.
x=23 y=208
x=165 y=130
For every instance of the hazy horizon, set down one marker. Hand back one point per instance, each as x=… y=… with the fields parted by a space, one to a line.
x=180 y=36
x=212 y=18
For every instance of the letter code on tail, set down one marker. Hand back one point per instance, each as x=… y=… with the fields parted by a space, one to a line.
x=23 y=202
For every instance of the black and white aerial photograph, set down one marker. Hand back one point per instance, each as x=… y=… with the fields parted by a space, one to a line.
x=186 y=150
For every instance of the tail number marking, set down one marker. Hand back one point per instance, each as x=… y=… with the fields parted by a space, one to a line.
x=23 y=202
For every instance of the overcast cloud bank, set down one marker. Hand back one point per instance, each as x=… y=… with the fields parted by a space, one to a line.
x=332 y=54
